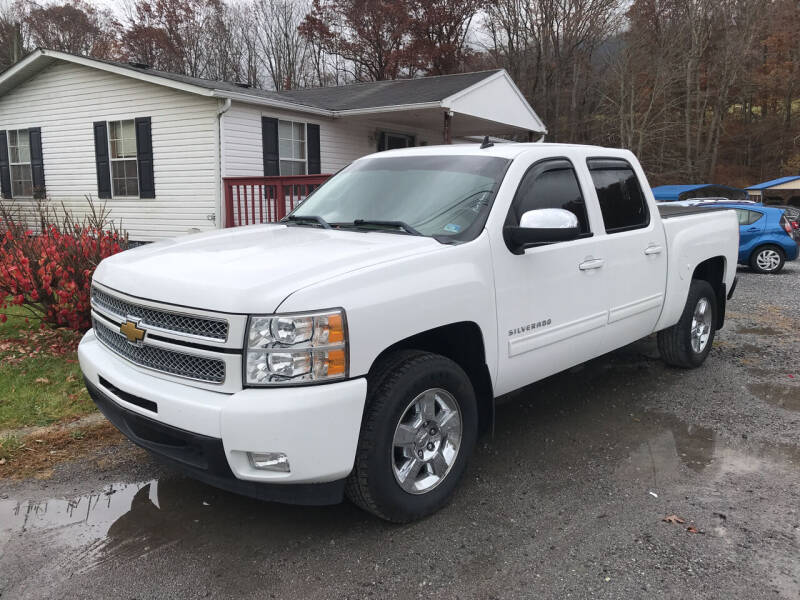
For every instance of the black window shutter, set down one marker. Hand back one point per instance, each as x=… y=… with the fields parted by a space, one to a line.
x=314 y=161
x=5 y=172
x=269 y=140
x=144 y=154
x=381 y=141
x=101 y=160
x=37 y=162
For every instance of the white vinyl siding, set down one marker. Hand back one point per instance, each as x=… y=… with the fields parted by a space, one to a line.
x=341 y=140
x=66 y=99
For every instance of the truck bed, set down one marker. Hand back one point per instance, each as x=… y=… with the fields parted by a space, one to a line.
x=669 y=211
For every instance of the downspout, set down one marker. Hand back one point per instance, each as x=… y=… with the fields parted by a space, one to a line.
x=219 y=217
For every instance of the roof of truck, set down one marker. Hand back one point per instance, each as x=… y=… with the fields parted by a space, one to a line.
x=505 y=150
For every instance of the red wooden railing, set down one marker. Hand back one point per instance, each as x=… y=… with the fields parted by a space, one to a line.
x=252 y=200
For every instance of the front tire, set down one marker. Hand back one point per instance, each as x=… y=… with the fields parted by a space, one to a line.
x=767 y=259
x=687 y=343
x=420 y=426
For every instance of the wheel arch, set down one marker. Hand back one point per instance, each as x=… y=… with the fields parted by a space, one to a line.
x=712 y=270
x=463 y=343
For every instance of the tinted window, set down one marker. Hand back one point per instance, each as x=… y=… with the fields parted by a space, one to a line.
x=550 y=185
x=621 y=199
x=754 y=216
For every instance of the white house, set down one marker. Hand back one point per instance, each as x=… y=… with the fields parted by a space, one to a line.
x=157 y=147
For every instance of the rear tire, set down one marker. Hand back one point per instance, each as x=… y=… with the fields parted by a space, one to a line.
x=419 y=429
x=687 y=343
x=767 y=259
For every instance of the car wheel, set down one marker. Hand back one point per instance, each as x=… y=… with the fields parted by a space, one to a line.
x=767 y=259
x=687 y=343
x=419 y=429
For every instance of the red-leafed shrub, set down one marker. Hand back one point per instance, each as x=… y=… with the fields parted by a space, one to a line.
x=47 y=258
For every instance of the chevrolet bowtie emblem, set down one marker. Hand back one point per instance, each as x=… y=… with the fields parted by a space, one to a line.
x=132 y=331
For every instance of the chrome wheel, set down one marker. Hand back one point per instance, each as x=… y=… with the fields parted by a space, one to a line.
x=426 y=441
x=701 y=325
x=768 y=260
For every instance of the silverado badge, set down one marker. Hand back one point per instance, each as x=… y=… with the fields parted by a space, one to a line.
x=131 y=330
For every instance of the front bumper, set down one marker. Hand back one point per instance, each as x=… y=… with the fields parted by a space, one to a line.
x=208 y=434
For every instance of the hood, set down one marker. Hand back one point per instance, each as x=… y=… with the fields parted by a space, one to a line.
x=250 y=269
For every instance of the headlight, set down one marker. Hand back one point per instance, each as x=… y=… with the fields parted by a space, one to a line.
x=285 y=349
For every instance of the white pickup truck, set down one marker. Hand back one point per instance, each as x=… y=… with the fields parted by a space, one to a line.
x=358 y=347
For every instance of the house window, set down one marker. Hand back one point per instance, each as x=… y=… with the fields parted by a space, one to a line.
x=292 y=147
x=124 y=168
x=393 y=141
x=19 y=154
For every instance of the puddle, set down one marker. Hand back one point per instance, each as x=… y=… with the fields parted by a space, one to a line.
x=758 y=331
x=784 y=396
x=662 y=458
x=126 y=521
x=91 y=515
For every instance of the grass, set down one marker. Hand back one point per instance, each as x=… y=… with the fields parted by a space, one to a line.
x=40 y=381
x=36 y=455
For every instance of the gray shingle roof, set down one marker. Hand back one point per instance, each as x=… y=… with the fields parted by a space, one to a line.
x=386 y=93
x=373 y=94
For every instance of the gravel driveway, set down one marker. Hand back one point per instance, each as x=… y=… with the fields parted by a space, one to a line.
x=566 y=501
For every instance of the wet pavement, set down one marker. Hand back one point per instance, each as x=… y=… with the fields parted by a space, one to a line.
x=566 y=501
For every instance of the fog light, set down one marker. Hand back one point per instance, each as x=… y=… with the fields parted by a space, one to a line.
x=269 y=461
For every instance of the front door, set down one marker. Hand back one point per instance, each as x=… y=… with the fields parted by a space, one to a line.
x=551 y=299
x=634 y=249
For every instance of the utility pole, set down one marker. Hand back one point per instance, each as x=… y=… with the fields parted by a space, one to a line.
x=16 y=43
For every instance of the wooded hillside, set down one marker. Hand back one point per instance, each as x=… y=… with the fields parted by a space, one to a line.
x=701 y=90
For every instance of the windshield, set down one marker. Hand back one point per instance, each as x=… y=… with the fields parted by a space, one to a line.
x=424 y=195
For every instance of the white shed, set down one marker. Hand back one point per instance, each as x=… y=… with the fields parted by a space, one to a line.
x=161 y=149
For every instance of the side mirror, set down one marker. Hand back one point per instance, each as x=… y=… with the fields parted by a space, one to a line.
x=542 y=226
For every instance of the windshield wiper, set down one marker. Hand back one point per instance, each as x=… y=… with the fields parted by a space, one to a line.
x=396 y=224
x=308 y=219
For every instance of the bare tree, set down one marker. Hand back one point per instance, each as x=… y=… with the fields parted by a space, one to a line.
x=284 y=51
x=551 y=49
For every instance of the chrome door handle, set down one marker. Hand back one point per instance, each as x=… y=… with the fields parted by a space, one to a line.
x=593 y=263
x=653 y=250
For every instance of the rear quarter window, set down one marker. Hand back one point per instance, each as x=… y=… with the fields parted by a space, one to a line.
x=622 y=202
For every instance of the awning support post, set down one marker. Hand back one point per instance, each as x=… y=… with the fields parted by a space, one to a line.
x=446 y=136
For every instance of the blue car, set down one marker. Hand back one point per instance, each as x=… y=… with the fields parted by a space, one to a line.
x=766 y=238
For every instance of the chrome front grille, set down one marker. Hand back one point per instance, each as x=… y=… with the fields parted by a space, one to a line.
x=203 y=327
x=180 y=364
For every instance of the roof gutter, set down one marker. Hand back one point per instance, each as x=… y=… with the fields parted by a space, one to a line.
x=251 y=99
x=352 y=112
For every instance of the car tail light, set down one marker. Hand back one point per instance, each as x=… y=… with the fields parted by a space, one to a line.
x=795 y=225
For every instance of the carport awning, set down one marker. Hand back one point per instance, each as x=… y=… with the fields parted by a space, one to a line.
x=671 y=193
x=493 y=105
x=460 y=124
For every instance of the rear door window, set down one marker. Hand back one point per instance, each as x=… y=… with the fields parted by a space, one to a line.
x=753 y=217
x=622 y=202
